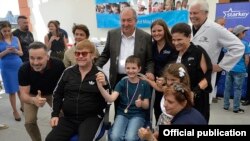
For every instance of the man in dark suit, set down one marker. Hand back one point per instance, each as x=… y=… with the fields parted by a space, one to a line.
x=123 y=42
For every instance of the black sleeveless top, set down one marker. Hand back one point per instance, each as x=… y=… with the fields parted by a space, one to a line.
x=57 y=45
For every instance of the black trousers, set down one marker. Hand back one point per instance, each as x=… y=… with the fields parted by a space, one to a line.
x=66 y=128
x=201 y=103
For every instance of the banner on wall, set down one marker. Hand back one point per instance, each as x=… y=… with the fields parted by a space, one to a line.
x=235 y=14
x=171 y=11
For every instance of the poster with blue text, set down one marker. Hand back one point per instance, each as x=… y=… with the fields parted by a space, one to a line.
x=171 y=11
x=235 y=14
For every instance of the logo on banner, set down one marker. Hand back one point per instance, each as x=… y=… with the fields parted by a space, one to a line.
x=230 y=14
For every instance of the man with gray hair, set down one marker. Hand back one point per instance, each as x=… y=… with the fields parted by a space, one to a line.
x=123 y=42
x=213 y=37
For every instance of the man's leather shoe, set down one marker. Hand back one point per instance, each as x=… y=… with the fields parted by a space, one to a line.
x=247 y=102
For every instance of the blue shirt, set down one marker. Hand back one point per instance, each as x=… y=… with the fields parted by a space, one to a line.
x=241 y=66
x=131 y=96
x=189 y=116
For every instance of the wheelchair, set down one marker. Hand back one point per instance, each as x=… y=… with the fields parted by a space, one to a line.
x=103 y=127
x=105 y=124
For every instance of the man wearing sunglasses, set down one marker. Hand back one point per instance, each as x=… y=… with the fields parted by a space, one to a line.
x=37 y=80
x=79 y=98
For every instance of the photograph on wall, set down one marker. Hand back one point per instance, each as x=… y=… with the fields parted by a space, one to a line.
x=108 y=12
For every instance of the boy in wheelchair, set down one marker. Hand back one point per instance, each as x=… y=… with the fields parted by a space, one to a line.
x=134 y=96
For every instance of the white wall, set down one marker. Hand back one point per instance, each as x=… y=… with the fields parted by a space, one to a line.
x=73 y=11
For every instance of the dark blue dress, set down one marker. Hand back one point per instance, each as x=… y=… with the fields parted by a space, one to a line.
x=10 y=64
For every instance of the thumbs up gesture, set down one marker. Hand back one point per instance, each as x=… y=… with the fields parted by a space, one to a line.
x=38 y=100
x=138 y=102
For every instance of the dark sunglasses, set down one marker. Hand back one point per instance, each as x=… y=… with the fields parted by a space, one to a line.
x=83 y=53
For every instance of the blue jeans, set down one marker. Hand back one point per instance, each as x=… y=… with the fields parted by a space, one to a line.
x=125 y=129
x=234 y=82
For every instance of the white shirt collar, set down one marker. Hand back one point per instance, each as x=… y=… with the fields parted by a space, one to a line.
x=133 y=35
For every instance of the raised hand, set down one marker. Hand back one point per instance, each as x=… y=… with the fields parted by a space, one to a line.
x=160 y=81
x=38 y=100
x=145 y=134
x=100 y=79
x=52 y=38
x=138 y=102
x=150 y=76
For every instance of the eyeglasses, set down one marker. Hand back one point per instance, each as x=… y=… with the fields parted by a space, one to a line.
x=83 y=53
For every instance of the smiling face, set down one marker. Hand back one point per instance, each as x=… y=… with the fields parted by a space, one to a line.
x=180 y=41
x=171 y=105
x=85 y=53
x=132 y=69
x=79 y=35
x=38 y=59
x=52 y=27
x=171 y=79
x=157 y=33
x=84 y=57
x=128 y=21
x=197 y=15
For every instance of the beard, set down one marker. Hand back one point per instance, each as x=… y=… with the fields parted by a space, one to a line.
x=26 y=28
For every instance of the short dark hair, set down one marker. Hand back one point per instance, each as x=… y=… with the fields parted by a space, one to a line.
x=181 y=28
x=82 y=27
x=133 y=59
x=21 y=17
x=38 y=45
x=57 y=22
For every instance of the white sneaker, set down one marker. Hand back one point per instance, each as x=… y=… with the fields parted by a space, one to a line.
x=3 y=126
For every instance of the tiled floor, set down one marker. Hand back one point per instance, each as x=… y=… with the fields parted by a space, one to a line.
x=17 y=132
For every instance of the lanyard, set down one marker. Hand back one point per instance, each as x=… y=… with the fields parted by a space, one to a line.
x=130 y=102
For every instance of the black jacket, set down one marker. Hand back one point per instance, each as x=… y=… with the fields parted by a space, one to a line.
x=78 y=98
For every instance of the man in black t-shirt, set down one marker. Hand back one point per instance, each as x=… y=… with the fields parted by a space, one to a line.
x=24 y=35
x=37 y=80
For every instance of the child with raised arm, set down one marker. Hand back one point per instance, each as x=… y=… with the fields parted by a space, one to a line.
x=172 y=73
x=134 y=96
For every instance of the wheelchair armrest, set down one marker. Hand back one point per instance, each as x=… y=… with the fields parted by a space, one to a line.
x=106 y=121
